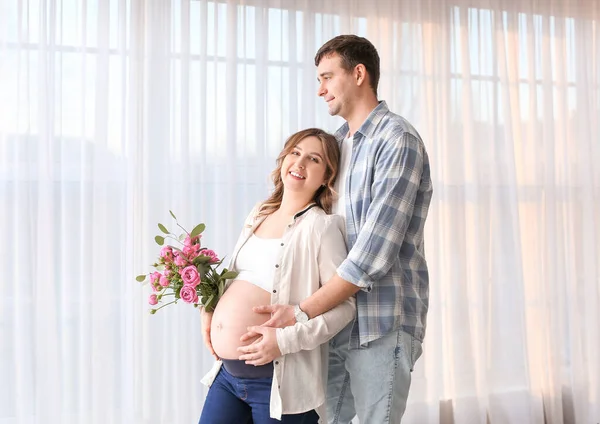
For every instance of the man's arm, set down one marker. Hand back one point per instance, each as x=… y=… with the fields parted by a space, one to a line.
x=329 y=296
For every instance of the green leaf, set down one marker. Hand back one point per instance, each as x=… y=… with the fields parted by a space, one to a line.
x=140 y=278
x=172 y=214
x=197 y=230
x=229 y=275
x=160 y=240
x=163 y=228
x=201 y=260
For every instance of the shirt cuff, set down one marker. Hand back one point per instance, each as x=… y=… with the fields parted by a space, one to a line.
x=350 y=272
x=283 y=340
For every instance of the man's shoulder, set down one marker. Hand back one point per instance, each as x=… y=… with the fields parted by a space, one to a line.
x=394 y=126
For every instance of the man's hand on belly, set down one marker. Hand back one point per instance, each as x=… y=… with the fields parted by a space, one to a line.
x=281 y=315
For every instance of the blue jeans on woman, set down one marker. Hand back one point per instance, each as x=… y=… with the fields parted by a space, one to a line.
x=233 y=400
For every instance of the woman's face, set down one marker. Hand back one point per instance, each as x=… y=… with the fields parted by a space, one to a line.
x=303 y=169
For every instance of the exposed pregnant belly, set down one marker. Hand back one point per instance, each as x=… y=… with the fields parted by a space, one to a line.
x=234 y=314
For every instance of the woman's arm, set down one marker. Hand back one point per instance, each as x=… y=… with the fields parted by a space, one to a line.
x=206 y=322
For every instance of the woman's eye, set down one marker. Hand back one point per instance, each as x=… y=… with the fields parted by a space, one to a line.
x=315 y=160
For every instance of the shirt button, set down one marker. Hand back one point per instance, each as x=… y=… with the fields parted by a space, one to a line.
x=274 y=291
x=276 y=266
x=276 y=362
x=282 y=244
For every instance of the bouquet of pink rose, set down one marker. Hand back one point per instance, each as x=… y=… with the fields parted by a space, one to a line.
x=188 y=272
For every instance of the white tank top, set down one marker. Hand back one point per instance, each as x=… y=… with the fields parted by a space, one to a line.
x=256 y=261
x=339 y=206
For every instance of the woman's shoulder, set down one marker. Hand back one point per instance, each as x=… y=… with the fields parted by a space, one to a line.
x=321 y=220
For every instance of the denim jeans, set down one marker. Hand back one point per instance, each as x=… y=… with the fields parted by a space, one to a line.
x=233 y=400
x=371 y=382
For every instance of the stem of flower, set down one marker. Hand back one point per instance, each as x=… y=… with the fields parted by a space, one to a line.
x=174 y=238
x=182 y=228
x=173 y=301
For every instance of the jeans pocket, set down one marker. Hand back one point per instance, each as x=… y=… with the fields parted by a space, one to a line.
x=416 y=349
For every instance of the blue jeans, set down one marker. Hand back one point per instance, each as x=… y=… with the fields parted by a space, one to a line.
x=233 y=400
x=371 y=382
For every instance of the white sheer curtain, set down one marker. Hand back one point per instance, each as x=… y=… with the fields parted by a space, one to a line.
x=113 y=112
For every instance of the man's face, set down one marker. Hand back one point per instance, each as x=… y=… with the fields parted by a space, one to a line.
x=336 y=85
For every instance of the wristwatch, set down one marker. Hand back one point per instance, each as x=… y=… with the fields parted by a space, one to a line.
x=300 y=315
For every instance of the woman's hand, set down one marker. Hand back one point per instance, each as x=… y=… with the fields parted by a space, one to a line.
x=263 y=350
x=206 y=322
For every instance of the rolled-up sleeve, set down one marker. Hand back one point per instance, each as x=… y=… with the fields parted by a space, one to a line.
x=308 y=336
x=396 y=181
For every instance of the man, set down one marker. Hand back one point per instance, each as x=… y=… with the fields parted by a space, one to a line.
x=385 y=190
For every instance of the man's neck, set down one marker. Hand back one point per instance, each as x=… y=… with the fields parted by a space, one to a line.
x=359 y=114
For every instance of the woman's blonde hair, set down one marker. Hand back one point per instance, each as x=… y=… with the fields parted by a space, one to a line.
x=324 y=196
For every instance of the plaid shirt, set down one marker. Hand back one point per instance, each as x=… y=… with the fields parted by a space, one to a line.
x=388 y=191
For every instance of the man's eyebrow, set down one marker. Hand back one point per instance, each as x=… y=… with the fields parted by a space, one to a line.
x=322 y=74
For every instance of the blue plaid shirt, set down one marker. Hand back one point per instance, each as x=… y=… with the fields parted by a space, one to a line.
x=388 y=191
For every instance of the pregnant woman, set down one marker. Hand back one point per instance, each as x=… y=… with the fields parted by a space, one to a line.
x=288 y=247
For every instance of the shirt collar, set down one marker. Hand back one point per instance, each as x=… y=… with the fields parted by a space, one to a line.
x=368 y=127
x=296 y=216
x=303 y=211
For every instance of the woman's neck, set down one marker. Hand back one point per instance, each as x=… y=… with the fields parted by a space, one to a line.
x=290 y=206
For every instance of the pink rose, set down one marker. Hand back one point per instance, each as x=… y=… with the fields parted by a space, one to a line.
x=180 y=260
x=188 y=294
x=164 y=281
x=153 y=300
x=190 y=276
x=154 y=277
x=190 y=241
x=167 y=253
x=191 y=251
x=212 y=255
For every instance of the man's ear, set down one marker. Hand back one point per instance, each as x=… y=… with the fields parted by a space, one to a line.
x=360 y=74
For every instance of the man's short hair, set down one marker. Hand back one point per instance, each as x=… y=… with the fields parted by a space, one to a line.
x=353 y=50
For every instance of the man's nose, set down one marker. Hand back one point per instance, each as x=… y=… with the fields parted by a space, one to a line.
x=321 y=91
